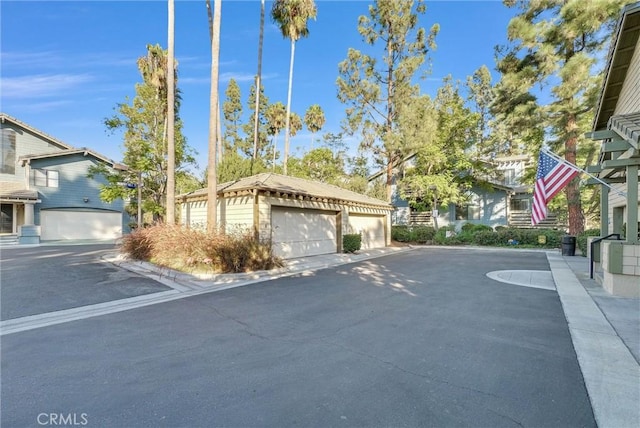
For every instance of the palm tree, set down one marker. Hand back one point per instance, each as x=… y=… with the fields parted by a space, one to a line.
x=212 y=185
x=171 y=143
x=219 y=128
x=258 y=83
x=314 y=120
x=292 y=17
x=275 y=115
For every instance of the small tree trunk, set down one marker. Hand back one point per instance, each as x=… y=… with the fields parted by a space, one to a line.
x=212 y=191
x=258 y=83
x=287 y=121
x=171 y=142
x=572 y=191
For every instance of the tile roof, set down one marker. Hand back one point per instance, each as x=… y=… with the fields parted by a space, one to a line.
x=292 y=185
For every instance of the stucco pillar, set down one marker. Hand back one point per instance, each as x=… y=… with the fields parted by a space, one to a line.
x=29 y=213
x=604 y=210
x=632 y=203
x=29 y=233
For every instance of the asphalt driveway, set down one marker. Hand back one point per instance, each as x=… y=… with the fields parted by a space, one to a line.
x=44 y=279
x=422 y=338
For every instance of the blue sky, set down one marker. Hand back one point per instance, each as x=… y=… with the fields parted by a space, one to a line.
x=66 y=64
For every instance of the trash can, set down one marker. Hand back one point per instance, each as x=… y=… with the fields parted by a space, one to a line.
x=568 y=245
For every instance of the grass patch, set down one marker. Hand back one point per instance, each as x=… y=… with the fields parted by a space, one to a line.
x=193 y=250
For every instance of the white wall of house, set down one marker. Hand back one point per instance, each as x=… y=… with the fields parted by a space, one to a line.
x=629 y=100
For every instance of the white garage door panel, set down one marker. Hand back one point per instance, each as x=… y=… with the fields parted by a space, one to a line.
x=58 y=225
x=371 y=228
x=299 y=233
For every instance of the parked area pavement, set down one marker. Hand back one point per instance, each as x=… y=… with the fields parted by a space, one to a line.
x=603 y=331
x=50 y=278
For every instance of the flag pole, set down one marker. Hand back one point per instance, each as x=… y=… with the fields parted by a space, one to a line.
x=558 y=158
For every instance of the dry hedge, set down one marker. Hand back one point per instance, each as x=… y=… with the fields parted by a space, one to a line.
x=191 y=249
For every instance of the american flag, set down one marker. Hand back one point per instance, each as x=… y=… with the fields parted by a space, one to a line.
x=553 y=174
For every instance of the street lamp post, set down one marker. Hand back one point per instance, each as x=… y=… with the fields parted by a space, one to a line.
x=434 y=212
x=139 y=200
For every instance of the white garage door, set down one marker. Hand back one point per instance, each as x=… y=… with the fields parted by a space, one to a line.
x=59 y=225
x=370 y=227
x=300 y=232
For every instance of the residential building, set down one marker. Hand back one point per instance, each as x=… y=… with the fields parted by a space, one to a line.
x=617 y=125
x=45 y=191
x=497 y=200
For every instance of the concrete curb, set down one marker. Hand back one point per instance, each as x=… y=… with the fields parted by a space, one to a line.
x=184 y=281
x=611 y=373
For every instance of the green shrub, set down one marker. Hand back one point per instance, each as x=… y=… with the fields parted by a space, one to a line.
x=351 y=242
x=423 y=234
x=185 y=249
x=475 y=227
x=581 y=239
x=401 y=233
x=520 y=237
x=441 y=236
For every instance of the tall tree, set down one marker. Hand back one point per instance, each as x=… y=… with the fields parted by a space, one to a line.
x=319 y=165
x=232 y=111
x=276 y=119
x=171 y=143
x=561 y=40
x=292 y=17
x=143 y=123
x=442 y=166
x=246 y=146
x=335 y=143
x=376 y=89
x=481 y=97
x=518 y=125
x=212 y=185
x=256 y=113
x=314 y=120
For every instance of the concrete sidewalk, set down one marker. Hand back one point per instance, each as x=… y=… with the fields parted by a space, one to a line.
x=605 y=331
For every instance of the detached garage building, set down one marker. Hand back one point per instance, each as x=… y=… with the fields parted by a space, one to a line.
x=300 y=217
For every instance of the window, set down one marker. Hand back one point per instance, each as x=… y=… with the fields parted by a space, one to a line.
x=45 y=178
x=468 y=212
x=519 y=204
x=8 y=151
x=510 y=176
